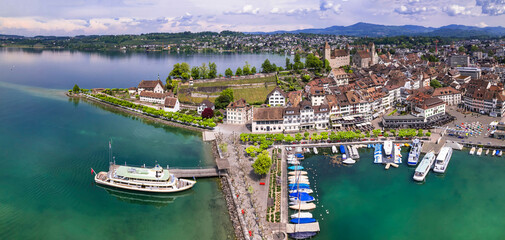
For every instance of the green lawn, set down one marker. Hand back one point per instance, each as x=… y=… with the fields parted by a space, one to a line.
x=234 y=82
x=252 y=95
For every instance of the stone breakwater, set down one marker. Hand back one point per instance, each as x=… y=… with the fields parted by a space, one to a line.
x=232 y=208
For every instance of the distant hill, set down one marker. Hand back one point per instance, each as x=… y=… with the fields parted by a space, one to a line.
x=375 y=30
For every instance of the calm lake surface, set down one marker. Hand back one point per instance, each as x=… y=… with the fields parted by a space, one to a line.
x=365 y=201
x=49 y=143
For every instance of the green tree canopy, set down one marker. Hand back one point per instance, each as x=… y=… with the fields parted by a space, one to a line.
x=262 y=163
x=212 y=70
x=76 y=89
x=267 y=66
x=246 y=70
x=228 y=92
x=222 y=102
x=239 y=72
x=195 y=73
x=180 y=70
x=253 y=70
x=435 y=83
x=228 y=72
x=313 y=62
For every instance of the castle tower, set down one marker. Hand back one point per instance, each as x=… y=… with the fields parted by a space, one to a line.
x=371 y=46
x=327 y=51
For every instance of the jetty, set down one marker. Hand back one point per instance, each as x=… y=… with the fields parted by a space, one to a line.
x=308 y=227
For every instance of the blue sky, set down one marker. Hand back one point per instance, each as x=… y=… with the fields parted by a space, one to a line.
x=76 y=17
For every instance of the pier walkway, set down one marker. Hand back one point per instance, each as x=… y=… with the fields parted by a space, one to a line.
x=195 y=172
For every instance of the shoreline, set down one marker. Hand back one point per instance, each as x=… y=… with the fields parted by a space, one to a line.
x=223 y=180
x=169 y=123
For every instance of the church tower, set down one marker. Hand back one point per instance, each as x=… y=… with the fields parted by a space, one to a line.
x=371 y=46
x=327 y=51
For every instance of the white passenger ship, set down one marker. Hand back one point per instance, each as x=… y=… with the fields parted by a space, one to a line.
x=443 y=159
x=424 y=167
x=156 y=180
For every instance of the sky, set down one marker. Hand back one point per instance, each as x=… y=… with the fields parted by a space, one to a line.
x=87 y=17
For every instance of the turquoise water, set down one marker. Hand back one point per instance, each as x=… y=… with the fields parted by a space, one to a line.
x=48 y=145
x=365 y=201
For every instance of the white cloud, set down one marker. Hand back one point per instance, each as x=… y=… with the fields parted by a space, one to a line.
x=247 y=10
x=492 y=7
x=482 y=24
x=407 y=10
x=455 y=10
x=42 y=24
x=328 y=5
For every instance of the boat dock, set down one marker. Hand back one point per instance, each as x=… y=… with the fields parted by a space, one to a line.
x=307 y=227
x=429 y=146
x=195 y=172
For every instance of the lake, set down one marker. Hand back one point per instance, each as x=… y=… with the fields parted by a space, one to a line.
x=49 y=143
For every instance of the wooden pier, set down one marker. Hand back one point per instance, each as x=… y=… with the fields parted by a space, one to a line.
x=308 y=227
x=195 y=172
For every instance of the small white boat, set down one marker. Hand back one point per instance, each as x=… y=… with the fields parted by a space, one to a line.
x=388 y=148
x=494 y=152
x=293 y=162
x=487 y=151
x=315 y=150
x=302 y=190
x=472 y=151
x=298 y=149
x=307 y=150
x=293 y=173
x=349 y=161
x=479 y=152
x=298 y=177
x=300 y=181
x=499 y=152
x=333 y=149
x=307 y=206
x=301 y=215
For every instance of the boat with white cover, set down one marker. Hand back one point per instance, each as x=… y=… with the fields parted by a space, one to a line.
x=479 y=152
x=472 y=151
x=388 y=148
x=301 y=215
x=297 y=173
x=424 y=167
x=315 y=150
x=443 y=159
x=333 y=149
x=377 y=155
x=349 y=161
x=302 y=190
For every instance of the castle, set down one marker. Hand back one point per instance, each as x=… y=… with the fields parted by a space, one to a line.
x=337 y=57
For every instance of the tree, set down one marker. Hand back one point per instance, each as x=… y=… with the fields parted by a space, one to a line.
x=262 y=164
x=212 y=70
x=208 y=113
x=420 y=133
x=298 y=137
x=204 y=71
x=306 y=78
x=327 y=66
x=297 y=58
x=306 y=135
x=222 y=102
x=267 y=66
x=376 y=132
x=288 y=64
x=228 y=92
x=462 y=49
x=228 y=72
x=195 y=73
x=253 y=70
x=180 y=70
x=246 y=70
x=76 y=89
x=313 y=62
x=238 y=72
x=435 y=83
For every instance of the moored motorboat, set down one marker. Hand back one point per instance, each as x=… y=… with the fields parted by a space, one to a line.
x=479 y=152
x=302 y=220
x=487 y=151
x=301 y=215
x=472 y=151
x=295 y=168
x=499 y=153
x=442 y=160
x=414 y=153
x=301 y=181
x=304 y=206
x=315 y=150
x=494 y=152
x=302 y=190
x=349 y=161
x=297 y=173
x=304 y=198
x=300 y=185
x=333 y=149
x=298 y=177
x=424 y=166
x=388 y=148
